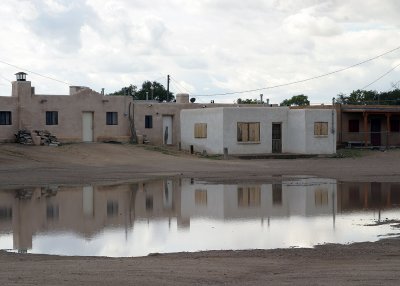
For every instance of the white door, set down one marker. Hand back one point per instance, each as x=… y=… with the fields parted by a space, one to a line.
x=167 y=129
x=87 y=126
x=167 y=197
x=87 y=201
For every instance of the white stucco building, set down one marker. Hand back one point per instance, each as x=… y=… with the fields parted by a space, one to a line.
x=259 y=130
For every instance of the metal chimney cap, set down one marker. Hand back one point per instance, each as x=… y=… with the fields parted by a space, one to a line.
x=21 y=76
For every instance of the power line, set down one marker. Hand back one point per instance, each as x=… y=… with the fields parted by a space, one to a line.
x=303 y=80
x=32 y=72
x=5 y=78
x=177 y=87
x=386 y=73
x=158 y=78
x=178 y=84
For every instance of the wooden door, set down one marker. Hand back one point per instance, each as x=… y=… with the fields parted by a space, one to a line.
x=276 y=138
x=376 y=132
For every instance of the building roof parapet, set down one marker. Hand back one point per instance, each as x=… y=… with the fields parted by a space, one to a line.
x=370 y=108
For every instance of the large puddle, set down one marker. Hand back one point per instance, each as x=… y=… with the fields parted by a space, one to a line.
x=174 y=215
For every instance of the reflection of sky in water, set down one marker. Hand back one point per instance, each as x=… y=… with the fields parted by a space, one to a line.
x=6 y=241
x=207 y=234
x=174 y=216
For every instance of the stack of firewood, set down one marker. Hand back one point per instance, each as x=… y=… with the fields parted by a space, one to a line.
x=24 y=194
x=46 y=138
x=24 y=137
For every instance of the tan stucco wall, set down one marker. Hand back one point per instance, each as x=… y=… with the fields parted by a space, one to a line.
x=7 y=131
x=29 y=216
x=158 y=110
x=29 y=112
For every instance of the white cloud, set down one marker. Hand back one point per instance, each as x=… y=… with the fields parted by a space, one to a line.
x=208 y=46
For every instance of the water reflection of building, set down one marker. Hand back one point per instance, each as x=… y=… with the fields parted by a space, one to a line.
x=90 y=209
x=362 y=196
x=304 y=197
x=83 y=210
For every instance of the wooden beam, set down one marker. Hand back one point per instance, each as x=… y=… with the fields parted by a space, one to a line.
x=365 y=114
x=388 y=129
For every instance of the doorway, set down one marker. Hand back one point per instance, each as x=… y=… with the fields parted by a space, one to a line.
x=167 y=129
x=87 y=126
x=276 y=138
x=376 y=132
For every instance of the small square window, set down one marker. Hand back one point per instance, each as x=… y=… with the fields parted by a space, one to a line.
x=200 y=130
x=148 y=121
x=200 y=197
x=248 y=132
x=51 y=117
x=112 y=118
x=112 y=208
x=320 y=128
x=53 y=212
x=5 y=118
x=354 y=125
x=249 y=196
x=5 y=213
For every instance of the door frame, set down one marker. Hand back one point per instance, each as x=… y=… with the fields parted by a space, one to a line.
x=376 y=132
x=90 y=137
x=276 y=142
x=167 y=134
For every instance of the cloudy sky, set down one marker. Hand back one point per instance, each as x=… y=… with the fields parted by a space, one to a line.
x=207 y=46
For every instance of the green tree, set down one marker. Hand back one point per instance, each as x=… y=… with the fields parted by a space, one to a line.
x=297 y=100
x=128 y=91
x=154 y=90
x=368 y=97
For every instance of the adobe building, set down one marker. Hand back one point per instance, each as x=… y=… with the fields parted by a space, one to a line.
x=243 y=130
x=82 y=116
x=368 y=125
x=85 y=115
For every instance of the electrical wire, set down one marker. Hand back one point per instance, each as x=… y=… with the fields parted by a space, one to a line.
x=178 y=84
x=176 y=87
x=180 y=87
x=386 y=73
x=303 y=80
x=158 y=78
x=32 y=72
x=3 y=77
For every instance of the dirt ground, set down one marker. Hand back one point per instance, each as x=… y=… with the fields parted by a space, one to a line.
x=375 y=263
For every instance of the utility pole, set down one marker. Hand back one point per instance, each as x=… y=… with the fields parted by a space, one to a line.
x=168 y=79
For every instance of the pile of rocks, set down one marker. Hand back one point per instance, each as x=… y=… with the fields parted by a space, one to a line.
x=46 y=138
x=24 y=137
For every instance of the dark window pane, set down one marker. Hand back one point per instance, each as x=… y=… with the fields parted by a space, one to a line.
x=51 y=117
x=148 y=121
x=112 y=208
x=112 y=118
x=5 y=118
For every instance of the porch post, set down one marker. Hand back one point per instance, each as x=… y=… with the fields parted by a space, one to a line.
x=388 y=129
x=365 y=129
